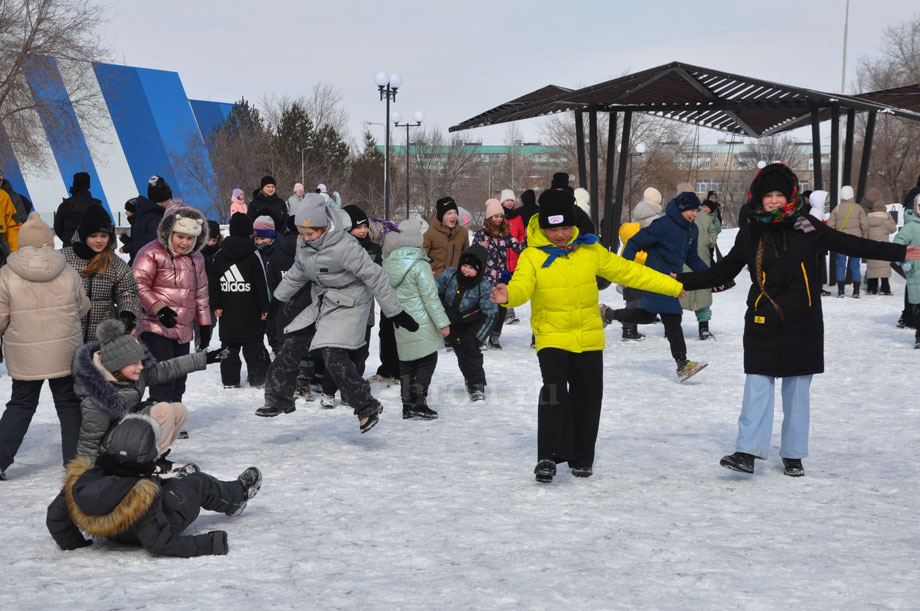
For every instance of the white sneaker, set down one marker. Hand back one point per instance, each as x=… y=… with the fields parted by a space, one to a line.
x=327 y=401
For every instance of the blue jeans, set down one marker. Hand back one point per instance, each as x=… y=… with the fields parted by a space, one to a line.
x=755 y=424
x=842 y=262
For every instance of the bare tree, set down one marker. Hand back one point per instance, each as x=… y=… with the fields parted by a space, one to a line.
x=34 y=35
x=895 y=161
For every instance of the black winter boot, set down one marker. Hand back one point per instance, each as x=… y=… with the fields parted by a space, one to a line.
x=793 y=467
x=545 y=470
x=704 y=331
x=886 y=288
x=631 y=334
x=840 y=286
x=855 y=290
x=739 y=461
x=871 y=286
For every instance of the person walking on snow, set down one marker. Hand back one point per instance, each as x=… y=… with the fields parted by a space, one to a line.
x=518 y=229
x=783 y=324
x=850 y=218
x=495 y=236
x=557 y=274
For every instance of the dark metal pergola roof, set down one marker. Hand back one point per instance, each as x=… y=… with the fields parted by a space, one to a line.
x=701 y=96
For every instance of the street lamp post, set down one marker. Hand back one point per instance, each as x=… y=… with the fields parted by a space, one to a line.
x=301 y=164
x=387 y=84
x=419 y=116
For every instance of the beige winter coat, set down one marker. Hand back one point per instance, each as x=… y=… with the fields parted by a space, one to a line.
x=850 y=218
x=41 y=304
x=881 y=226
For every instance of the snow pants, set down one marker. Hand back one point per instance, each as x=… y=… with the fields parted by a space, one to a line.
x=163 y=349
x=281 y=377
x=469 y=355
x=21 y=407
x=569 y=405
x=755 y=425
x=358 y=356
x=415 y=377
x=389 y=357
x=256 y=364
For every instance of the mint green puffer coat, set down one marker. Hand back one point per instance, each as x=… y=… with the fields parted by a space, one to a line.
x=411 y=277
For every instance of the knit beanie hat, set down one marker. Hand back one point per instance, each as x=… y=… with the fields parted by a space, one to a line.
x=493 y=207
x=187 y=225
x=116 y=348
x=311 y=212
x=684 y=187
x=583 y=199
x=506 y=195
x=560 y=181
x=267 y=180
x=846 y=194
x=297 y=185
x=357 y=216
x=443 y=205
x=132 y=447
x=240 y=225
x=410 y=234
x=652 y=196
x=557 y=209
x=96 y=219
x=710 y=194
x=35 y=233
x=158 y=190
x=213 y=229
x=80 y=182
x=529 y=198
x=238 y=193
x=774 y=177
x=687 y=200
x=263 y=227
x=131 y=205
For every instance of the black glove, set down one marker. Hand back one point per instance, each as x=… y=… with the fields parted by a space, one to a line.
x=204 y=336
x=219 y=542
x=214 y=356
x=167 y=317
x=128 y=320
x=405 y=321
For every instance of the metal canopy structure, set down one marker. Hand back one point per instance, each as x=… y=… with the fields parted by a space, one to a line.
x=708 y=98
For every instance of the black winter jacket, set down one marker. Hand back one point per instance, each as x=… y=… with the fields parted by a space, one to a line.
x=67 y=217
x=141 y=511
x=145 y=227
x=791 y=344
x=236 y=285
x=273 y=206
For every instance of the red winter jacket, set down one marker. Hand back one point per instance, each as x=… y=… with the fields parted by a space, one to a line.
x=519 y=232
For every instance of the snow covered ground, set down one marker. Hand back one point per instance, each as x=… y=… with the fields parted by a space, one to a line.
x=446 y=514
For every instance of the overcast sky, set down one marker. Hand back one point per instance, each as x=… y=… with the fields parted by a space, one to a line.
x=459 y=60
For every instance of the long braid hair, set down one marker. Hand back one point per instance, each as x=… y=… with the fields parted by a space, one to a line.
x=758 y=273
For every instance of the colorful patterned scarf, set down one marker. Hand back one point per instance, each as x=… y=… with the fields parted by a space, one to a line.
x=787 y=214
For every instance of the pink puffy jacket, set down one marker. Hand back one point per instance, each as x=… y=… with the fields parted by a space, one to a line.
x=179 y=282
x=238 y=205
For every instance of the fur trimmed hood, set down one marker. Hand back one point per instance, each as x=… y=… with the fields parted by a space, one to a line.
x=164 y=229
x=92 y=380
x=88 y=489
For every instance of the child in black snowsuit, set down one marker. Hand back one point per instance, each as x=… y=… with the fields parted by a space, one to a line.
x=465 y=293
x=239 y=296
x=360 y=229
x=117 y=497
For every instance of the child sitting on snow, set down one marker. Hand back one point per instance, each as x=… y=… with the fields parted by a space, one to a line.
x=111 y=376
x=117 y=497
x=465 y=294
x=412 y=278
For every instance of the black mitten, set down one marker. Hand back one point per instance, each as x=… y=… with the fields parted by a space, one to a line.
x=167 y=317
x=204 y=336
x=405 y=321
x=219 y=542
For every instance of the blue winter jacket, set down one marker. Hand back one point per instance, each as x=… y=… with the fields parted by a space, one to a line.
x=670 y=241
x=475 y=298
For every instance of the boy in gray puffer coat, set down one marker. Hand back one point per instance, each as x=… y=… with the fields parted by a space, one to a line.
x=344 y=284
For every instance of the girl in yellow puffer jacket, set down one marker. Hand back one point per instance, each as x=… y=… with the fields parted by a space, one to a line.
x=557 y=274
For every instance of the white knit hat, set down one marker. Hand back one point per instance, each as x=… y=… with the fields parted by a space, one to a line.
x=652 y=196
x=846 y=194
x=506 y=195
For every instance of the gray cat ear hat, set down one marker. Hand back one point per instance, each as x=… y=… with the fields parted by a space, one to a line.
x=312 y=212
x=116 y=348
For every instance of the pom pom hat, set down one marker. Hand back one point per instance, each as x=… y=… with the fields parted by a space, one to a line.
x=116 y=348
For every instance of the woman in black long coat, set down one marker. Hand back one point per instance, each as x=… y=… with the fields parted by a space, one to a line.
x=783 y=324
